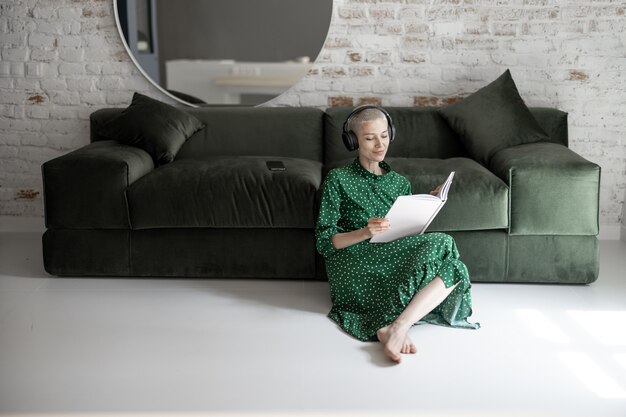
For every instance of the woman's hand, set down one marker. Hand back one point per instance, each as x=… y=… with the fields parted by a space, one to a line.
x=376 y=225
x=436 y=190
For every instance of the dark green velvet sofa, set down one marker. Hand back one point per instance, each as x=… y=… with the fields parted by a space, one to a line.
x=217 y=211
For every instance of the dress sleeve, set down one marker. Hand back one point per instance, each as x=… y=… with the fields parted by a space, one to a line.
x=407 y=190
x=328 y=217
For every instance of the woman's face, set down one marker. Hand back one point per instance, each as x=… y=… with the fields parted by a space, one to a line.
x=373 y=139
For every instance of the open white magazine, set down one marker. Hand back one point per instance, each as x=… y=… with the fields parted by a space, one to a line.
x=412 y=214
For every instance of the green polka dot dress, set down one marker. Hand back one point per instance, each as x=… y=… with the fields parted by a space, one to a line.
x=372 y=283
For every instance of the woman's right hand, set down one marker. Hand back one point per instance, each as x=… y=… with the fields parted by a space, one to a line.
x=376 y=225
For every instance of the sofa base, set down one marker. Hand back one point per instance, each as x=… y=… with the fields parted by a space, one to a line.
x=223 y=253
x=490 y=256
x=87 y=252
x=553 y=259
x=484 y=254
x=216 y=253
x=496 y=256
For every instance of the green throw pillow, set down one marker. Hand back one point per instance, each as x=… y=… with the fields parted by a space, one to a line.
x=493 y=118
x=154 y=126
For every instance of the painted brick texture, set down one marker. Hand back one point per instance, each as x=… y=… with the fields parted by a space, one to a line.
x=565 y=54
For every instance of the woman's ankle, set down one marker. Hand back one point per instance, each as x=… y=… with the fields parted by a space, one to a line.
x=400 y=324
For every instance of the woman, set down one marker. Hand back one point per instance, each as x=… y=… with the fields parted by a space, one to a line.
x=380 y=290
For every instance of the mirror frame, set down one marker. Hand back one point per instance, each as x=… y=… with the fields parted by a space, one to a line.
x=172 y=96
x=134 y=60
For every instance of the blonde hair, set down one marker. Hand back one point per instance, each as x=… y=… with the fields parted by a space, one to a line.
x=364 y=116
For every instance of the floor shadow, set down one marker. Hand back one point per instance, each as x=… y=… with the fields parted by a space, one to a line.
x=313 y=296
x=377 y=355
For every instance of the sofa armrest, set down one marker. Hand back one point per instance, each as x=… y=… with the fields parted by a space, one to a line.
x=85 y=189
x=552 y=189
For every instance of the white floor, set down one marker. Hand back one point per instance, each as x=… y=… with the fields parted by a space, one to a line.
x=87 y=346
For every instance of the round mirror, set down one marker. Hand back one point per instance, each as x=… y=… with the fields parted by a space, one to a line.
x=228 y=52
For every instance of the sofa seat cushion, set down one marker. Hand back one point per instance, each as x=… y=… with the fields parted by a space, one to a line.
x=226 y=191
x=477 y=200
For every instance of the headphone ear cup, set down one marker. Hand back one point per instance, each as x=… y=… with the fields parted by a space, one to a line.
x=392 y=131
x=390 y=127
x=350 y=140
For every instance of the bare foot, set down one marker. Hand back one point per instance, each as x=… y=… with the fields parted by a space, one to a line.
x=394 y=340
x=409 y=346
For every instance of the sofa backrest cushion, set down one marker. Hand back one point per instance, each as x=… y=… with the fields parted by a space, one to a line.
x=295 y=132
x=98 y=118
x=553 y=122
x=257 y=131
x=306 y=132
x=420 y=133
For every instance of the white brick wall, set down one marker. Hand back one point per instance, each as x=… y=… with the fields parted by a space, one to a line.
x=565 y=54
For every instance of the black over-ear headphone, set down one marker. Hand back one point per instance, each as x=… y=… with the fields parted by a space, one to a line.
x=349 y=137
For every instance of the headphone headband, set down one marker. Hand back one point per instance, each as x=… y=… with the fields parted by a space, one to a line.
x=350 y=139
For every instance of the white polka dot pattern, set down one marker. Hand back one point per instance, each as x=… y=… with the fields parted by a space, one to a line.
x=371 y=284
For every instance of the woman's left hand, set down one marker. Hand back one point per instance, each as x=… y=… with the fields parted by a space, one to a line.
x=436 y=190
